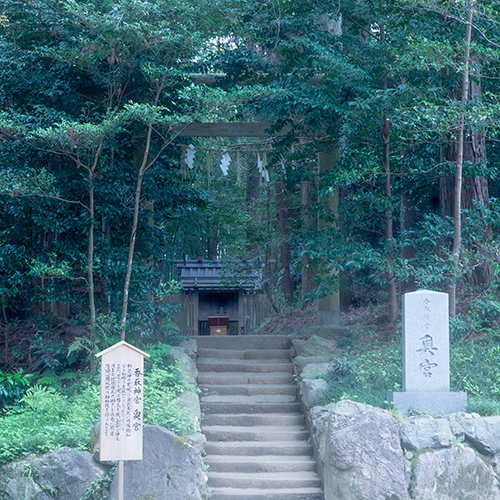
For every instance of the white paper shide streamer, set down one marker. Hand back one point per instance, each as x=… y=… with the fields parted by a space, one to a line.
x=189 y=159
x=261 y=167
x=224 y=163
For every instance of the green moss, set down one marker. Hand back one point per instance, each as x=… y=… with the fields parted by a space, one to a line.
x=182 y=443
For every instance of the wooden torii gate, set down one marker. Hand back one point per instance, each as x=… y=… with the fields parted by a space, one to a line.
x=328 y=307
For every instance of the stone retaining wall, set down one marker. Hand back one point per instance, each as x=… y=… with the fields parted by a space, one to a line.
x=365 y=453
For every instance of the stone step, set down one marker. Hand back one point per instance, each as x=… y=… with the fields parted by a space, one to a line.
x=270 y=463
x=233 y=342
x=253 y=448
x=250 y=400
x=244 y=354
x=267 y=494
x=249 y=420
x=261 y=433
x=250 y=408
x=237 y=378
x=244 y=366
x=257 y=447
x=303 y=479
x=248 y=389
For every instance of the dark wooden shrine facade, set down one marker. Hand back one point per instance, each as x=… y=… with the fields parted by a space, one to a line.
x=205 y=292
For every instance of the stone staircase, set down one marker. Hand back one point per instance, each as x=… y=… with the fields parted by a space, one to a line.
x=257 y=446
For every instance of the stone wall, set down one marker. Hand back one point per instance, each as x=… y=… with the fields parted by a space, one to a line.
x=185 y=355
x=366 y=453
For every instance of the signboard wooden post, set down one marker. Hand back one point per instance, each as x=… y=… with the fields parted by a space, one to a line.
x=122 y=393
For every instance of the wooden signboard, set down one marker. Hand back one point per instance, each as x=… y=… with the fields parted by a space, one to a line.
x=122 y=392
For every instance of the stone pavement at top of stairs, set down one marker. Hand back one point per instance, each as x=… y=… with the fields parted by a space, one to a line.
x=257 y=445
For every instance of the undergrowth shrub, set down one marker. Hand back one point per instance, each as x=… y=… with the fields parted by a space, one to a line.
x=367 y=373
x=13 y=386
x=160 y=405
x=475 y=369
x=47 y=418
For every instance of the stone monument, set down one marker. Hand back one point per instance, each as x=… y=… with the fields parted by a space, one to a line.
x=426 y=356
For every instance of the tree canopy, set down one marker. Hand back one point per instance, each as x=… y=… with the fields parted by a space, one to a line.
x=100 y=190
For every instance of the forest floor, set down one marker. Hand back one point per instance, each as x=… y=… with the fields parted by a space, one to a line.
x=303 y=323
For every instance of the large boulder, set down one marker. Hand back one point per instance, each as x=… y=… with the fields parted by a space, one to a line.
x=191 y=401
x=185 y=355
x=314 y=370
x=363 y=455
x=312 y=390
x=301 y=362
x=319 y=418
x=190 y=347
x=171 y=469
x=65 y=474
x=418 y=433
x=315 y=346
x=483 y=433
x=453 y=474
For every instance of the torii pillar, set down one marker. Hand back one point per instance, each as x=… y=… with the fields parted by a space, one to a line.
x=329 y=306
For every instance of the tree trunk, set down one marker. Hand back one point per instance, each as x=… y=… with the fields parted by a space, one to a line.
x=407 y=226
x=473 y=189
x=282 y=213
x=212 y=243
x=386 y=162
x=90 y=267
x=253 y=194
x=308 y=222
x=391 y=279
x=142 y=170
x=329 y=306
x=5 y=329
x=457 y=192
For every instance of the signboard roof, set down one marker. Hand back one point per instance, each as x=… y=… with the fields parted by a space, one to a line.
x=119 y=344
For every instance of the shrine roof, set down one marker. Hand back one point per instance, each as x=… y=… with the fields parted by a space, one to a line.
x=207 y=275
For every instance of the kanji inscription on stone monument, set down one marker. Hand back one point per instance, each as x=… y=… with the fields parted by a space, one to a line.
x=426 y=342
x=426 y=356
x=122 y=392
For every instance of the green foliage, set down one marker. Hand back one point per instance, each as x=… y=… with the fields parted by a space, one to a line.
x=475 y=369
x=366 y=374
x=158 y=352
x=161 y=407
x=370 y=370
x=164 y=383
x=103 y=333
x=47 y=418
x=482 y=317
x=96 y=74
x=50 y=268
x=13 y=386
x=30 y=182
x=341 y=368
